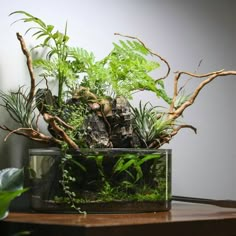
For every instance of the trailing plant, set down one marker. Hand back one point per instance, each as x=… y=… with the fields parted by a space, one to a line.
x=66 y=181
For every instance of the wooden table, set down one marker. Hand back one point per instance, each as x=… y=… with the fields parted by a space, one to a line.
x=183 y=219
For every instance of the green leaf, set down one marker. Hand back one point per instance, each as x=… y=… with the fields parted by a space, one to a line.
x=29 y=18
x=127 y=165
x=149 y=157
x=5 y=200
x=45 y=42
x=11 y=186
x=119 y=164
x=50 y=28
x=139 y=172
x=11 y=179
x=129 y=67
x=78 y=164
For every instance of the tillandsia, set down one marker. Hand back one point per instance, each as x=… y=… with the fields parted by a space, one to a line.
x=91 y=107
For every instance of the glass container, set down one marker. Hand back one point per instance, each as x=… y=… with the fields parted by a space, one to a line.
x=114 y=180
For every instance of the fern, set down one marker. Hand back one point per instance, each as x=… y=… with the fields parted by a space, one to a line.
x=82 y=57
x=123 y=71
x=128 y=70
x=97 y=79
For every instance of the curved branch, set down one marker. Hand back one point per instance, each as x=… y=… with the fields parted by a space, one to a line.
x=60 y=121
x=152 y=53
x=29 y=66
x=199 y=75
x=166 y=139
x=176 y=130
x=51 y=120
x=31 y=134
x=176 y=80
x=211 y=76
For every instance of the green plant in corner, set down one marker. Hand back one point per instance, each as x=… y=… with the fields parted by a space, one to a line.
x=11 y=186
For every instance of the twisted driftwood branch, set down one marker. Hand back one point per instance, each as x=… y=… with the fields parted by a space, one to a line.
x=52 y=121
x=174 y=114
x=31 y=134
x=29 y=66
x=165 y=139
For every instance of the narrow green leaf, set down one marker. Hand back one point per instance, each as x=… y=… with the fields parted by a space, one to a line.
x=127 y=165
x=149 y=157
x=50 y=28
x=77 y=163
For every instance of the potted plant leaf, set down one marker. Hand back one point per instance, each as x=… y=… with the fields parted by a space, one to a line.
x=103 y=155
x=11 y=186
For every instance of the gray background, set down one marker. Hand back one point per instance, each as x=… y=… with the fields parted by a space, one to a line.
x=182 y=31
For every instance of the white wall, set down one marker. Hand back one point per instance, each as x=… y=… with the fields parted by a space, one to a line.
x=183 y=31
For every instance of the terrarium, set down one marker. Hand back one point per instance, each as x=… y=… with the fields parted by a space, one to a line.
x=113 y=180
x=103 y=154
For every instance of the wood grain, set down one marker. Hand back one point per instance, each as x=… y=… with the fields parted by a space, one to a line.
x=183 y=219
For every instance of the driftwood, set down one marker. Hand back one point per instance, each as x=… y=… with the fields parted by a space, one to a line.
x=111 y=123
x=29 y=66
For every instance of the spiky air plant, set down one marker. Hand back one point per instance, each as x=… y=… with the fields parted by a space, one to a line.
x=150 y=124
x=19 y=107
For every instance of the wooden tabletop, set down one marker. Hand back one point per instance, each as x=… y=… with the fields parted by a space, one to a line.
x=182 y=219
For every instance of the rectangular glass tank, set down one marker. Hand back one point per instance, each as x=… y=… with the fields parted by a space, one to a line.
x=100 y=180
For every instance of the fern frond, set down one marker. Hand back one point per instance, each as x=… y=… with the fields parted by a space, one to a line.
x=81 y=56
x=129 y=69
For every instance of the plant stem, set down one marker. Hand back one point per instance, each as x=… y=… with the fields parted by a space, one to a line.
x=60 y=91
